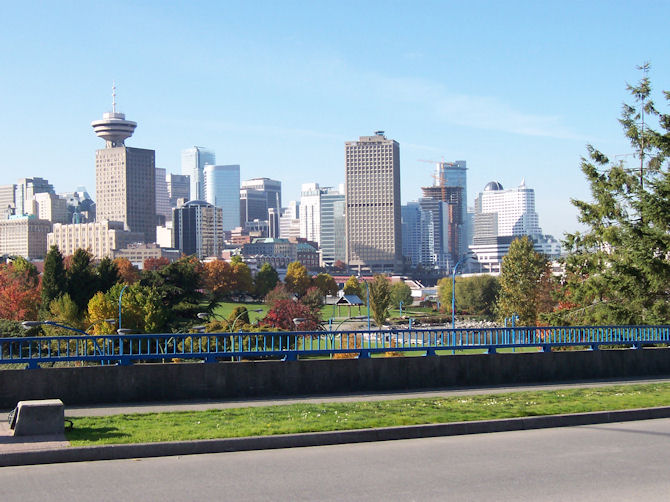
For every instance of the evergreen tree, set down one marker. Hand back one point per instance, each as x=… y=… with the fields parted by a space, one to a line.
x=107 y=274
x=81 y=279
x=618 y=270
x=54 y=282
x=524 y=277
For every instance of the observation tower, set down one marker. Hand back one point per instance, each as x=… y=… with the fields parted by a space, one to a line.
x=114 y=128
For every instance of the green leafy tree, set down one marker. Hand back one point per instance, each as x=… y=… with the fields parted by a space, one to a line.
x=23 y=268
x=142 y=309
x=265 y=281
x=618 y=269
x=326 y=284
x=54 y=282
x=353 y=287
x=313 y=299
x=297 y=278
x=444 y=287
x=380 y=298
x=242 y=282
x=524 y=277
x=401 y=292
x=238 y=318
x=81 y=279
x=65 y=310
x=107 y=274
x=477 y=295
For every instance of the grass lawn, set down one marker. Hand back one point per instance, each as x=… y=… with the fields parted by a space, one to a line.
x=307 y=417
x=224 y=309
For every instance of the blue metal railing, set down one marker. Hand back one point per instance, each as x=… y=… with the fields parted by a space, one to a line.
x=210 y=347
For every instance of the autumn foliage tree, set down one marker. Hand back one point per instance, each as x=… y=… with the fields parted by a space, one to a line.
x=297 y=278
x=19 y=294
x=128 y=273
x=283 y=312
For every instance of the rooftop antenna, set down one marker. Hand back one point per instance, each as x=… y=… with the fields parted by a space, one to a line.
x=113 y=97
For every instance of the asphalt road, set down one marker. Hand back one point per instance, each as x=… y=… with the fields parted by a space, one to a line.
x=621 y=461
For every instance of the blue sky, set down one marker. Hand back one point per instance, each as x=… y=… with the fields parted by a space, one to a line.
x=517 y=89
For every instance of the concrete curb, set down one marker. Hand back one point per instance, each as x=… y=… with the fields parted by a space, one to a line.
x=146 y=450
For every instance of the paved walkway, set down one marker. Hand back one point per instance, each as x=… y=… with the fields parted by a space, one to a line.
x=9 y=443
x=115 y=409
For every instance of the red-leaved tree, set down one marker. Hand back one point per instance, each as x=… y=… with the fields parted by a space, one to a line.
x=283 y=313
x=19 y=295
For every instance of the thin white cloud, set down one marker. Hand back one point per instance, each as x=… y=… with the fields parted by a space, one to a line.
x=480 y=112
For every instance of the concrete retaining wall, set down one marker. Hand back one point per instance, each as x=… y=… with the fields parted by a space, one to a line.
x=171 y=382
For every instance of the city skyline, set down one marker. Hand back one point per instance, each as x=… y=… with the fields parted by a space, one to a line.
x=516 y=90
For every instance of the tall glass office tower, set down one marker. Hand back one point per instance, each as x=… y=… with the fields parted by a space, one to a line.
x=222 y=189
x=193 y=162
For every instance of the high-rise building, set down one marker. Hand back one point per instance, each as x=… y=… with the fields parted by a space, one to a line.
x=124 y=177
x=222 y=189
x=101 y=238
x=7 y=205
x=80 y=206
x=506 y=212
x=253 y=206
x=372 y=180
x=450 y=187
x=418 y=243
x=24 y=236
x=310 y=212
x=51 y=207
x=163 y=209
x=271 y=188
x=179 y=187
x=500 y=217
x=197 y=229
x=24 y=191
x=332 y=240
x=193 y=162
x=289 y=222
x=441 y=216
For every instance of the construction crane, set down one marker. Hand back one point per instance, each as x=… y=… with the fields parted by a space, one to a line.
x=438 y=175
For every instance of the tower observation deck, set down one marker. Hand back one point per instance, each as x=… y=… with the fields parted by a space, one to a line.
x=113 y=128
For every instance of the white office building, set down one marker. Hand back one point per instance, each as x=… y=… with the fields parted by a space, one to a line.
x=193 y=162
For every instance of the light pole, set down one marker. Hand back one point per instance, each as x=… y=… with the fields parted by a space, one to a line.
x=34 y=324
x=367 y=289
x=400 y=303
x=120 y=297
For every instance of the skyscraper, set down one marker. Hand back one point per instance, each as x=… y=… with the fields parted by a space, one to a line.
x=372 y=180
x=502 y=216
x=271 y=188
x=24 y=191
x=197 y=229
x=179 y=187
x=450 y=187
x=418 y=244
x=124 y=177
x=163 y=209
x=222 y=189
x=193 y=162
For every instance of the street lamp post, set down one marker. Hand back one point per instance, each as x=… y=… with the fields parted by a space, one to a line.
x=120 y=297
x=400 y=303
x=367 y=289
